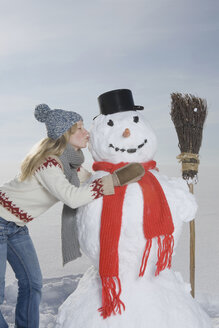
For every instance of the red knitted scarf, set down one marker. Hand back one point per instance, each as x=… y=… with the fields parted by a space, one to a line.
x=157 y=222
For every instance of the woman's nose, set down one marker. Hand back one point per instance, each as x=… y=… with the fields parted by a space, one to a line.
x=126 y=133
x=86 y=133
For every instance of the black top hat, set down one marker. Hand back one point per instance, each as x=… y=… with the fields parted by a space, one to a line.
x=114 y=101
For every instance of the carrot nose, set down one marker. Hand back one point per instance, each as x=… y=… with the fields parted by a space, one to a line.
x=126 y=133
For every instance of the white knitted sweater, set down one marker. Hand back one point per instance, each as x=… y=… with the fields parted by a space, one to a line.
x=22 y=201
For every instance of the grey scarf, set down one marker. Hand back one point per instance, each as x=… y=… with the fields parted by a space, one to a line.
x=71 y=160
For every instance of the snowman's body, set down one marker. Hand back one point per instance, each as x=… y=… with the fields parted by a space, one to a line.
x=151 y=302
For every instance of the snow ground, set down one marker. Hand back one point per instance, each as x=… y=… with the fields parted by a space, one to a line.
x=56 y=290
x=59 y=282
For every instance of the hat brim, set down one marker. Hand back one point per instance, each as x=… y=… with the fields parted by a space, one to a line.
x=138 y=107
x=135 y=107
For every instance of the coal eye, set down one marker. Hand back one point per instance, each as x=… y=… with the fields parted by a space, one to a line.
x=110 y=123
x=136 y=119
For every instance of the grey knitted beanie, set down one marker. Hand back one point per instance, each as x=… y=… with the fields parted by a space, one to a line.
x=57 y=121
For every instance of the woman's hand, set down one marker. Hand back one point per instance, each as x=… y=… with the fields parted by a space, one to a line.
x=131 y=172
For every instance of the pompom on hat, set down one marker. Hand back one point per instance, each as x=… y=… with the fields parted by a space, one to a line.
x=57 y=121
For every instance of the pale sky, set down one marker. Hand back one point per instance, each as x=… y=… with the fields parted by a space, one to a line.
x=66 y=53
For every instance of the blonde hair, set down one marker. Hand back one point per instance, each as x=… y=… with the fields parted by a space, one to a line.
x=46 y=147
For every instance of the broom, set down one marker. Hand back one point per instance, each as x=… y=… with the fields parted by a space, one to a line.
x=188 y=114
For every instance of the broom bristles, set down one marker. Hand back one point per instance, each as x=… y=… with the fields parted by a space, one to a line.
x=188 y=114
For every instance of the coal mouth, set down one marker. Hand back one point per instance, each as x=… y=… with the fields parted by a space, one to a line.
x=130 y=150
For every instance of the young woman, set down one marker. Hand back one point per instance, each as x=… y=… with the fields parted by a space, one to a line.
x=51 y=172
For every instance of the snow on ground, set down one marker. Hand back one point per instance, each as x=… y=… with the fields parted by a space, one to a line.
x=56 y=290
x=59 y=282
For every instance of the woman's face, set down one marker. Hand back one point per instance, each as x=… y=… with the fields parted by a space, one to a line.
x=79 y=139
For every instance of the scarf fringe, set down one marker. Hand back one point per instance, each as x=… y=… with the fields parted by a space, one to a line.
x=145 y=257
x=164 y=253
x=110 y=298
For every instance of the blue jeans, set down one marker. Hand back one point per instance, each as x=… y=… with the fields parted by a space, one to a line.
x=16 y=246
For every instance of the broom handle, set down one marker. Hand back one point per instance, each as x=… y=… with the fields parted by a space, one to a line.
x=192 y=250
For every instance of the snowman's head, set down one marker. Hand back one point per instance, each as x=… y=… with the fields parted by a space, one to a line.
x=122 y=137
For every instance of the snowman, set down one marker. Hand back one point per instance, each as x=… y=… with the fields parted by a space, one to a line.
x=130 y=237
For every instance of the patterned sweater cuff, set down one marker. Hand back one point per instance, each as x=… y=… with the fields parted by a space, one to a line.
x=108 y=187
